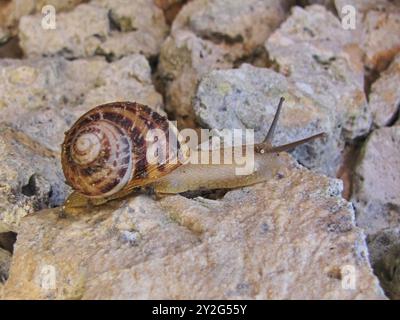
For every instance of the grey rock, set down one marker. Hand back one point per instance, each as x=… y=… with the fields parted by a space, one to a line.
x=291 y=237
x=384 y=98
x=101 y=27
x=5 y=260
x=246 y=98
x=384 y=248
x=41 y=99
x=30 y=178
x=208 y=35
x=312 y=49
x=377 y=181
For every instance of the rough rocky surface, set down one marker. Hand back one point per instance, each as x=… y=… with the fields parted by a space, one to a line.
x=102 y=27
x=30 y=177
x=291 y=237
x=384 y=248
x=312 y=49
x=209 y=35
x=41 y=98
x=300 y=243
x=11 y=11
x=384 y=98
x=377 y=30
x=5 y=259
x=247 y=98
x=377 y=181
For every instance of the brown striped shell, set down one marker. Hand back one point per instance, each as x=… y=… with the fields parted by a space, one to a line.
x=105 y=151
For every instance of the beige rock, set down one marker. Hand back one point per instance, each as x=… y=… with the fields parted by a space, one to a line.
x=30 y=178
x=102 y=27
x=42 y=98
x=378 y=29
x=77 y=34
x=292 y=237
x=142 y=24
x=312 y=49
x=13 y=10
x=209 y=35
x=183 y=59
x=384 y=98
x=5 y=259
x=377 y=181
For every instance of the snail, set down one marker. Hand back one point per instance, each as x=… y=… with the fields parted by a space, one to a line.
x=105 y=156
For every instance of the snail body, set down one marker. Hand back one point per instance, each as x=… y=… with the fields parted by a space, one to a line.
x=105 y=156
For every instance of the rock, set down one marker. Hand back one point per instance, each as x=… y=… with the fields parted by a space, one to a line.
x=78 y=33
x=384 y=98
x=183 y=58
x=384 y=248
x=377 y=181
x=247 y=98
x=208 y=35
x=378 y=30
x=5 y=259
x=142 y=27
x=102 y=27
x=30 y=178
x=312 y=49
x=13 y=10
x=41 y=99
x=291 y=237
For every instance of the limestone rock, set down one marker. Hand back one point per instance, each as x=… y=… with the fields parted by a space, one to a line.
x=102 y=27
x=384 y=248
x=384 y=98
x=209 y=35
x=43 y=97
x=30 y=178
x=12 y=11
x=312 y=49
x=246 y=98
x=5 y=259
x=291 y=237
x=378 y=29
x=377 y=181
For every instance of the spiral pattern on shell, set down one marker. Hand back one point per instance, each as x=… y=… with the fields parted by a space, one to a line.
x=105 y=151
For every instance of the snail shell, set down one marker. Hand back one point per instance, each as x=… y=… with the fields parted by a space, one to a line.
x=104 y=152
